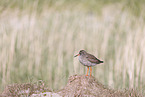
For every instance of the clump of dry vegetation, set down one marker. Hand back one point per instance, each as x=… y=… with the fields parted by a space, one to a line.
x=77 y=86
x=88 y=86
x=17 y=90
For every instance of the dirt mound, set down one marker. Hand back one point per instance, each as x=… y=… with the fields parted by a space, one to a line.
x=77 y=86
x=82 y=85
x=17 y=90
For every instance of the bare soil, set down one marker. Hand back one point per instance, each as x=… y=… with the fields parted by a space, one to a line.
x=77 y=86
x=81 y=85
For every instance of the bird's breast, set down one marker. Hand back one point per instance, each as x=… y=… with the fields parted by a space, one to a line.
x=85 y=62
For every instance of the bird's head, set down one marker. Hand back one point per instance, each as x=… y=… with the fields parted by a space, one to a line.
x=81 y=52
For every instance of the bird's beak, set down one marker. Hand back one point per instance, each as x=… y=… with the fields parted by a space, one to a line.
x=76 y=55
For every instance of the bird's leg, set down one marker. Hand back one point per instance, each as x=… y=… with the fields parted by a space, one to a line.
x=90 y=71
x=87 y=71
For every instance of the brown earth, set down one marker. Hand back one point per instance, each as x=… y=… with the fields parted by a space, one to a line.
x=80 y=86
x=25 y=90
x=77 y=86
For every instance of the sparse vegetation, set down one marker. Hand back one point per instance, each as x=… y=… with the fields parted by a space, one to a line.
x=84 y=86
x=38 y=40
x=78 y=85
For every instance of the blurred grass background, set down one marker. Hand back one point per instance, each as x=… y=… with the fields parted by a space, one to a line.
x=38 y=39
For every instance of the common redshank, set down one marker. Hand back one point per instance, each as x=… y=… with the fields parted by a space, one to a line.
x=88 y=60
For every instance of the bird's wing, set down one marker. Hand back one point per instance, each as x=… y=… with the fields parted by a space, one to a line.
x=92 y=58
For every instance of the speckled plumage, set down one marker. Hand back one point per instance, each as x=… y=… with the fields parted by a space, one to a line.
x=87 y=59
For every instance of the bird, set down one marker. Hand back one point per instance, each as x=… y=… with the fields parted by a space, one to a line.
x=88 y=60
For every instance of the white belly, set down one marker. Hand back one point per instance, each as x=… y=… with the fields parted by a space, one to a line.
x=85 y=62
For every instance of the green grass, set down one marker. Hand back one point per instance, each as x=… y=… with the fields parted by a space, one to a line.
x=38 y=40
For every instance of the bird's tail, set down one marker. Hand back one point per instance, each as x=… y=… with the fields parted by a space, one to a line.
x=101 y=61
